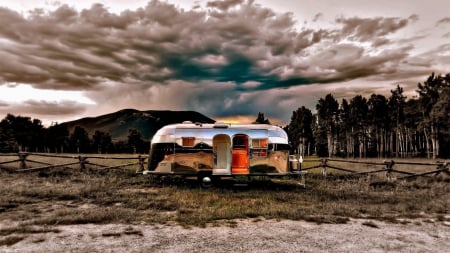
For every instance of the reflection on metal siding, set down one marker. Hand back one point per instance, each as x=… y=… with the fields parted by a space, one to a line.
x=205 y=132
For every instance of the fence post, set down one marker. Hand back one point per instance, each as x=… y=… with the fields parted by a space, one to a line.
x=389 y=165
x=83 y=161
x=141 y=164
x=441 y=167
x=323 y=163
x=23 y=158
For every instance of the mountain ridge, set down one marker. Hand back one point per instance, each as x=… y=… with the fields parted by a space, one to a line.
x=147 y=122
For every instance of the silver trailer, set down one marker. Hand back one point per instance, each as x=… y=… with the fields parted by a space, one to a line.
x=218 y=150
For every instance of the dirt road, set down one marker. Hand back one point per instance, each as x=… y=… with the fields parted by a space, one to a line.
x=244 y=236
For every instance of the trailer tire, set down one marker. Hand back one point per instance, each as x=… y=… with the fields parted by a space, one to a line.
x=205 y=181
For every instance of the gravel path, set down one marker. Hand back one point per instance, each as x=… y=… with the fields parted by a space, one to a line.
x=244 y=236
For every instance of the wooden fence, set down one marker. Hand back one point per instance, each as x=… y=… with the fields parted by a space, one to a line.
x=390 y=168
x=22 y=162
x=27 y=162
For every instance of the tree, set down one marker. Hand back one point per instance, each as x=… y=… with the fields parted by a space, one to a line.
x=37 y=136
x=358 y=119
x=379 y=122
x=440 y=113
x=345 y=127
x=58 y=137
x=79 y=140
x=396 y=108
x=261 y=119
x=300 y=131
x=101 y=142
x=135 y=140
x=7 y=140
x=429 y=95
x=26 y=133
x=327 y=115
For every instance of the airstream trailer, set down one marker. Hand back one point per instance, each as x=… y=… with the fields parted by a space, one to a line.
x=218 y=150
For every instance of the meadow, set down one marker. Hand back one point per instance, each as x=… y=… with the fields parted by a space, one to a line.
x=69 y=195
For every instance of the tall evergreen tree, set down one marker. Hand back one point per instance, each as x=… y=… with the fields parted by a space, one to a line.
x=358 y=119
x=397 y=117
x=58 y=138
x=327 y=113
x=429 y=95
x=300 y=131
x=379 y=122
x=79 y=140
x=135 y=140
x=261 y=119
x=101 y=142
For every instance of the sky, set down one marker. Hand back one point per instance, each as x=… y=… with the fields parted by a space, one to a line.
x=65 y=60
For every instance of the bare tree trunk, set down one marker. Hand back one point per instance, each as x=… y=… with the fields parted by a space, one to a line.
x=427 y=142
x=391 y=143
x=378 y=143
x=330 y=143
x=352 y=143
x=434 y=141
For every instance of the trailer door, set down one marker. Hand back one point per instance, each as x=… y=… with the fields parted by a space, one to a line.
x=222 y=155
x=240 y=158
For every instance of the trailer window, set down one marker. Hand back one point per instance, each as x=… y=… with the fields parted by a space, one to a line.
x=239 y=142
x=259 y=147
x=188 y=141
x=259 y=143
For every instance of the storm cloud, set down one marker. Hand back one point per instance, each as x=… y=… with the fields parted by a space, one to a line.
x=229 y=58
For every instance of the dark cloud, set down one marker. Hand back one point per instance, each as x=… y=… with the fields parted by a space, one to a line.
x=46 y=111
x=221 y=60
x=66 y=49
x=317 y=17
x=443 y=21
x=225 y=4
x=34 y=107
x=368 y=29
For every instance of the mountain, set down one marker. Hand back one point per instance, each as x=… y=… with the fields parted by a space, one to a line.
x=146 y=122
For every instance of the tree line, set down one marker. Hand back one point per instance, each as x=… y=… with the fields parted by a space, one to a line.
x=377 y=126
x=18 y=133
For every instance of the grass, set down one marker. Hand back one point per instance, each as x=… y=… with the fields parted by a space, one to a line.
x=62 y=196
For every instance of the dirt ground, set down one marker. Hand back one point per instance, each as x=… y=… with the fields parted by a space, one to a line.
x=251 y=235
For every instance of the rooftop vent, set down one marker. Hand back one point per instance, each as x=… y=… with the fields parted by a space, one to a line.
x=221 y=125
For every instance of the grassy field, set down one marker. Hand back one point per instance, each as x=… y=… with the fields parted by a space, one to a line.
x=62 y=196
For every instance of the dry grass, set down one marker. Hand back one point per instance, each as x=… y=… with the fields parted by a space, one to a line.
x=70 y=196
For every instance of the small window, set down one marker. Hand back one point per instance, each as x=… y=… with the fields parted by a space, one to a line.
x=188 y=141
x=239 y=142
x=259 y=143
x=259 y=147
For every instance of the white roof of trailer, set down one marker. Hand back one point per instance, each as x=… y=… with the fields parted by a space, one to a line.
x=220 y=125
x=274 y=133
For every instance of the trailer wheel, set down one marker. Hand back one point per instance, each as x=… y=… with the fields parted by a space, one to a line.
x=205 y=181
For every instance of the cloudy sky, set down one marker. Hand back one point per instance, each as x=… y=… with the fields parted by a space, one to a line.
x=229 y=59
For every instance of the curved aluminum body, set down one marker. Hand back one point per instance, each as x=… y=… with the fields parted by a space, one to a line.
x=219 y=149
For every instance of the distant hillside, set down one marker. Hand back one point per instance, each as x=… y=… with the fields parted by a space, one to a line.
x=146 y=122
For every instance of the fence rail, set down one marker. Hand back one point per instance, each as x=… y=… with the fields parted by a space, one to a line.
x=388 y=167
x=24 y=161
